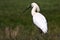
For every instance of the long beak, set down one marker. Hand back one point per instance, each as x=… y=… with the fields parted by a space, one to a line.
x=27 y=8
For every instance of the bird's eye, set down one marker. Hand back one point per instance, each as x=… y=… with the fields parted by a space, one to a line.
x=32 y=5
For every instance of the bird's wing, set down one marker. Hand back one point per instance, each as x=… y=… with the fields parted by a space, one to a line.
x=40 y=21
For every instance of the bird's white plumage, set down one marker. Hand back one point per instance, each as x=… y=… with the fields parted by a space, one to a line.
x=38 y=19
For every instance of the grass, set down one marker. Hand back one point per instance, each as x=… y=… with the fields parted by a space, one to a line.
x=12 y=16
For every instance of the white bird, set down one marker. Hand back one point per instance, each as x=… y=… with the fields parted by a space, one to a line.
x=38 y=19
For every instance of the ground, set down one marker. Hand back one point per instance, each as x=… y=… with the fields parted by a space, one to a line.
x=17 y=24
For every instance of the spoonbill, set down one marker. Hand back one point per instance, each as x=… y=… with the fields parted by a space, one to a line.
x=38 y=19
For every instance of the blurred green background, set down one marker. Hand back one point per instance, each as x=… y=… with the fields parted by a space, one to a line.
x=17 y=25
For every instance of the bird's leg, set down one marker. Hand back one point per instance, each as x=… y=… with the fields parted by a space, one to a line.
x=40 y=31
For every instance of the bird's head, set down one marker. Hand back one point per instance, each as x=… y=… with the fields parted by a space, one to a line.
x=34 y=4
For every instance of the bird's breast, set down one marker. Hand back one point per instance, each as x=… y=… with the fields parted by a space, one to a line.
x=39 y=19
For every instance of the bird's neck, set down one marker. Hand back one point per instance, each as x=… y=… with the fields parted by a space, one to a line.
x=33 y=11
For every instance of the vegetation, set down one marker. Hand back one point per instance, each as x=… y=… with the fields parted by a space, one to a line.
x=17 y=25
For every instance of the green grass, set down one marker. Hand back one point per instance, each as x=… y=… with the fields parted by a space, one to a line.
x=12 y=15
